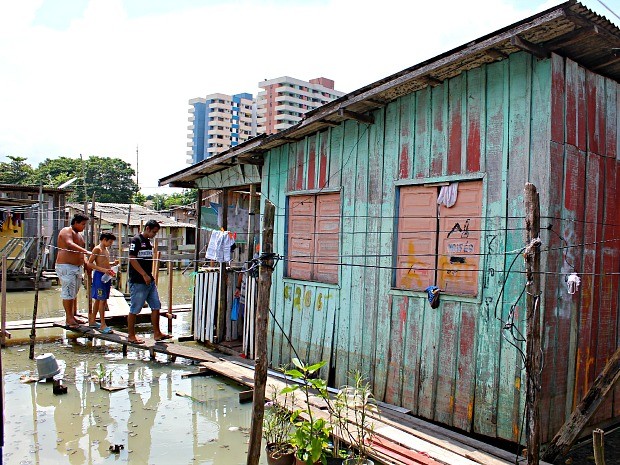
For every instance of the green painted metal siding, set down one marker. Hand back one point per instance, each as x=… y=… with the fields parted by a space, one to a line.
x=449 y=364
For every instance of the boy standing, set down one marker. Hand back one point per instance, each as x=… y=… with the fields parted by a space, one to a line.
x=100 y=262
x=142 y=286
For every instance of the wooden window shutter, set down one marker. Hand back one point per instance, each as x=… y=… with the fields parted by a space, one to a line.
x=301 y=236
x=327 y=238
x=417 y=238
x=459 y=241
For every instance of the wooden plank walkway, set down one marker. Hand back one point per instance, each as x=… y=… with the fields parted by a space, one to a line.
x=116 y=314
x=400 y=439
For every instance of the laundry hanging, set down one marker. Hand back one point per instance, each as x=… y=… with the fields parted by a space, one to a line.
x=220 y=246
x=573 y=283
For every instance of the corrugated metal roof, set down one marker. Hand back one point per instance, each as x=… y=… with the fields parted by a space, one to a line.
x=32 y=189
x=569 y=29
x=116 y=213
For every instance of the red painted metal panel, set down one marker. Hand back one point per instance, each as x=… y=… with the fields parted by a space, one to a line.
x=310 y=182
x=459 y=241
x=301 y=236
x=557 y=98
x=327 y=238
x=556 y=318
x=417 y=237
x=588 y=316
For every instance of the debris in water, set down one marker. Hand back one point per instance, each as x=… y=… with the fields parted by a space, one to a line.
x=233 y=428
x=27 y=379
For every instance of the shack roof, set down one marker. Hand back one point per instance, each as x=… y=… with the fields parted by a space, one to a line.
x=32 y=189
x=569 y=29
x=115 y=213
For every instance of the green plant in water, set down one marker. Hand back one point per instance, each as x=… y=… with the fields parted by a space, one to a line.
x=311 y=435
x=104 y=376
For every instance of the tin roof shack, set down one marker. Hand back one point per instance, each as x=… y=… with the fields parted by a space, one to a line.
x=356 y=185
x=19 y=217
x=126 y=220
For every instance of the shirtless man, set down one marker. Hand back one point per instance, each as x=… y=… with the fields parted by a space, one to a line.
x=71 y=257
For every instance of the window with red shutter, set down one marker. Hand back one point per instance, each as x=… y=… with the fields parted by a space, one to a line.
x=437 y=245
x=313 y=237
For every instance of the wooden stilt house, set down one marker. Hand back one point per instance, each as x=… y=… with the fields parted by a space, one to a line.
x=417 y=180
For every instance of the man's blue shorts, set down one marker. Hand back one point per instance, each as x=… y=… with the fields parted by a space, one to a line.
x=141 y=293
x=99 y=290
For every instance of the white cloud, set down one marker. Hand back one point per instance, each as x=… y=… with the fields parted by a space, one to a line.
x=108 y=82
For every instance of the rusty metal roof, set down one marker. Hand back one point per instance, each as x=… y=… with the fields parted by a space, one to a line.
x=115 y=213
x=570 y=30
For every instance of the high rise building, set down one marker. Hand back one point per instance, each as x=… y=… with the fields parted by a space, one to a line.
x=219 y=122
x=284 y=100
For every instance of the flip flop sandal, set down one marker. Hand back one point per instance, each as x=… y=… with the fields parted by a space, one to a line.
x=106 y=330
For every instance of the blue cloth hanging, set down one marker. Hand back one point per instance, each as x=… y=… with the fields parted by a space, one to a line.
x=234 y=312
x=433 y=295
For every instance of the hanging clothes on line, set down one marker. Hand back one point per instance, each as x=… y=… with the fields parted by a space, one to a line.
x=220 y=246
x=448 y=194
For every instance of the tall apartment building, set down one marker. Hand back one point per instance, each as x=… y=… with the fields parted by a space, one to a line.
x=284 y=100
x=218 y=122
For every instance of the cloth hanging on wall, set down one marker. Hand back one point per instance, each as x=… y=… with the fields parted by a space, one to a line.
x=573 y=283
x=448 y=194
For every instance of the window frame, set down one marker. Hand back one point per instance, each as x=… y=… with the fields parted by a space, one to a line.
x=438 y=182
x=316 y=275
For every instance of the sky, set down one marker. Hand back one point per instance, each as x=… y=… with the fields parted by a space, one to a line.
x=102 y=77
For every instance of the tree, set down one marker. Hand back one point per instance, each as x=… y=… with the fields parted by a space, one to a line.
x=139 y=198
x=180 y=198
x=16 y=171
x=109 y=178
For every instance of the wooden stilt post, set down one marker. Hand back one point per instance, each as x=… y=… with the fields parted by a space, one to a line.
x=156 y=260
x=598 y=444
x=37 y=276
x=198 y=242
x=89 y=275
x=119 y=275
x=170 y=278
x=222 y=297
x=4 y=278
x=262 y=312
x=532 y=335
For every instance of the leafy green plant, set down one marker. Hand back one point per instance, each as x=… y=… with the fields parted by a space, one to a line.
x=352 y=409
x=104 y=376
x=311 y=435
x=277 y=424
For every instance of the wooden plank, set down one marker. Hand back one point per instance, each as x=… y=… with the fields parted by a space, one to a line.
x=456 y=89
x=489 y=327
x=465 y=374
x=439 y=137
x=422 y=128
x=447 y=348
x=412 y=352
x=336 y=155
x=396 y=362
x=312 y=162
x=323 y=156
x=594 y=398
x=427 y=395
x=407 y=136
x=475 y=104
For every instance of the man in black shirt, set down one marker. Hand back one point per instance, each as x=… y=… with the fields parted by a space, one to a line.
x=142 y=286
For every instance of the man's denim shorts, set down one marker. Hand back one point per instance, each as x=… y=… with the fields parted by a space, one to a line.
x=141 y=293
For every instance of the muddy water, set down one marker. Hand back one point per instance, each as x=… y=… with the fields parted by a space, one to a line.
x=19 y=304
x=148 y=418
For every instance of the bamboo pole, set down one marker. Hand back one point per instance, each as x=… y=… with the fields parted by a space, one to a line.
x=262 y=312
x=4 y=277
x=532 y=335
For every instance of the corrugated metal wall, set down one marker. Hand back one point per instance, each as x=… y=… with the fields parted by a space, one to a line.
x=452 y=364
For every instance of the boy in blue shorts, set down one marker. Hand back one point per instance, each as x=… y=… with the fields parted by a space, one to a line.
x=102 y=280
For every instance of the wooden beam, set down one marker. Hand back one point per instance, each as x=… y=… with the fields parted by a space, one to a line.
x=246 y=396
x=333 y=124
x=496 y=54
x=534 y=49
x=571 y=37
x=432 y=81
x=614 y=58
x=568 y=433
x=366 y=119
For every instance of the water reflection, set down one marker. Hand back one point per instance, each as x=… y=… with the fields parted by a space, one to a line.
x=152 y=422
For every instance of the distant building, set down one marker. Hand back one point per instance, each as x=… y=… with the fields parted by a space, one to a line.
x=284 y=100
x=219 y=122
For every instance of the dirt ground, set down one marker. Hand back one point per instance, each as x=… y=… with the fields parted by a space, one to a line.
x=583 y=454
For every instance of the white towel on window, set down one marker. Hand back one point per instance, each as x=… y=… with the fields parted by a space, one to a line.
x=448 y=194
